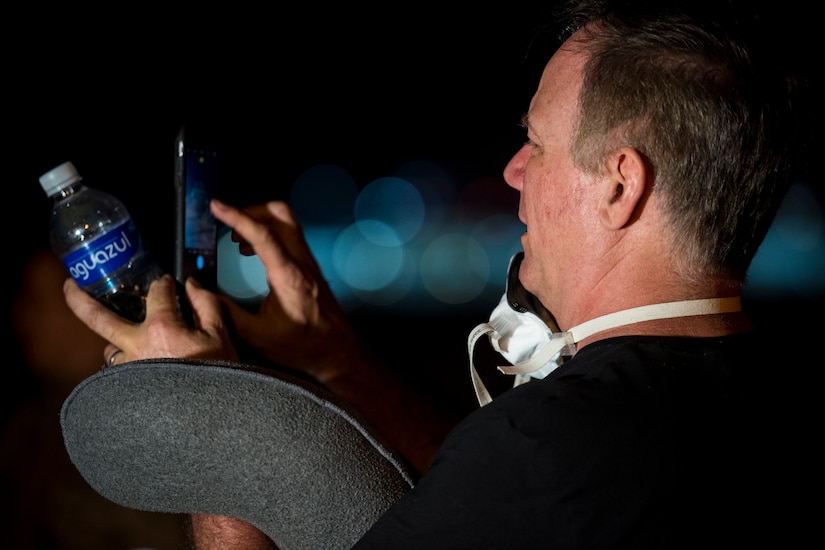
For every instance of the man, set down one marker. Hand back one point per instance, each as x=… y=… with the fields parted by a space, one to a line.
x=657 y=156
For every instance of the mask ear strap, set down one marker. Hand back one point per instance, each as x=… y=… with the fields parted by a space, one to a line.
x=565 y=342
x=652 y=312
x=482 y=394
x=561 y=343
x=668 y=310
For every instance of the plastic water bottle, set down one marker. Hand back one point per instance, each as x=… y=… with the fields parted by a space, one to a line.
x=99 y=243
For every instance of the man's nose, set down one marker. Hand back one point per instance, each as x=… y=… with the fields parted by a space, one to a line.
x=514 y=171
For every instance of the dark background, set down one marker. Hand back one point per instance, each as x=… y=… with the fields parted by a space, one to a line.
x=365 y=91
x=285 y=91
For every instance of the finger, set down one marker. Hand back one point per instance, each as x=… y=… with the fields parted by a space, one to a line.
x=280 y=222
x=112 y=355
x=289 y=230
x=281 y=211
x=161 y=298
x=294 y=240
x=206 y=307
x=255 y=233
x=95 y=315
x=256 y=212
x=276 y=215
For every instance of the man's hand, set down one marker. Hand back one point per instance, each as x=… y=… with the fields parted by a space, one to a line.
x=163 y=333
x=299 y=324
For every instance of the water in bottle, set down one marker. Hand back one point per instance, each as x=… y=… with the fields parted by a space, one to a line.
x=99 y=243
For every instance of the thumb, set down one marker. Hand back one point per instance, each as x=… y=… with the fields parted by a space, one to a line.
x=206 y=307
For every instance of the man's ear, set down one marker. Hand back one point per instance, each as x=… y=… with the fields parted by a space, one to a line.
x=624 y=187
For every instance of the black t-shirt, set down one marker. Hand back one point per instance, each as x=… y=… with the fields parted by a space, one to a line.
x=636 y=442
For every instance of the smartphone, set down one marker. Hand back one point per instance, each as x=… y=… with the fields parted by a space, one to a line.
x=196 y=183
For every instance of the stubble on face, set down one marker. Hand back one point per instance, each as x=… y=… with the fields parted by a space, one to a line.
x=553 y=190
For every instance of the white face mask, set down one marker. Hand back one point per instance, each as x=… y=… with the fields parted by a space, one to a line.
x=526 y=334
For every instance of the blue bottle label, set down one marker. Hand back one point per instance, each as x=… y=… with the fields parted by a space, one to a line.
x=103 y=255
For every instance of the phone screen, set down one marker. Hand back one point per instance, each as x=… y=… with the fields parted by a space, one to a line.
x=197 y=249
x=200 y=236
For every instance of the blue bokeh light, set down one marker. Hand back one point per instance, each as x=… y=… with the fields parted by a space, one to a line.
x=397 y=204
x=791 y=261
x=421 y=241
x=455 y=268
x=242 y=277
x=360 y=259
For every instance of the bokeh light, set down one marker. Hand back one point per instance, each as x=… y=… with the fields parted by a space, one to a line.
x=422 y=241
x=791 y=261
x=455 y=268
x=360 y=259
x=242 y=277
x=397 y=204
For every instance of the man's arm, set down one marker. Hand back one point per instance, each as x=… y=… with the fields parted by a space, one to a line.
x=300 y=325
x=222 y=533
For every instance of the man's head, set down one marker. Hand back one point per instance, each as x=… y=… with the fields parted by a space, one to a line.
x=683 y=89
x=686 y=87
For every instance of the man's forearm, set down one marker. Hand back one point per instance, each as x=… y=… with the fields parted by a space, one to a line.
x=208 y=532
x=404 y=417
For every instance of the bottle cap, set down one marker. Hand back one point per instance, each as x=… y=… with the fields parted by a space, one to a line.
x=59 y=177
